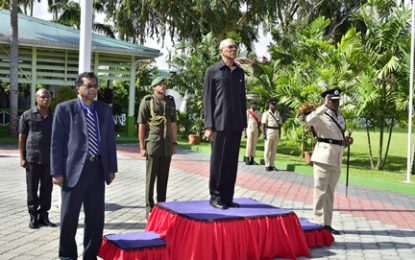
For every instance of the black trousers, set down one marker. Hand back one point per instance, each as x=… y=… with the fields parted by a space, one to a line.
x=224 y=165
x=89 y=192
x=38 y=174
x=157 y=170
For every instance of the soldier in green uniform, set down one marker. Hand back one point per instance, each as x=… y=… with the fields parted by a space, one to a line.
x=157 y=132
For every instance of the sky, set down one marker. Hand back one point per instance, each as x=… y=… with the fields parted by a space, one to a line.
x=41 y=11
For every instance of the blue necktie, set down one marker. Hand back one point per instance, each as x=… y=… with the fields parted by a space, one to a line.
x=92 y=134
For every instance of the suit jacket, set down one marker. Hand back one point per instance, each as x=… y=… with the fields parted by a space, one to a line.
x=69 y=147
x=325 y=127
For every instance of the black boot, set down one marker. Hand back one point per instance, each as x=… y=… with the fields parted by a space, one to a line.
x=252 y=162
x=34 y=223
x=44 y=220
x=248 y=160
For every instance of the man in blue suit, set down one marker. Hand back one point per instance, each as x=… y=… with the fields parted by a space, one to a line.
x=83 y=157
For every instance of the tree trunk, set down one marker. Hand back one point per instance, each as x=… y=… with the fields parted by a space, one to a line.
x=32 y=3
x=381 y=128
x=412 y=161
x=388 y=144
x=14 y=63
x=370 y=145
x=55 y=12
x=381 y=132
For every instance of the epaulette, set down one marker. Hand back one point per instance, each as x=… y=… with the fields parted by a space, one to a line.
x=148 y=97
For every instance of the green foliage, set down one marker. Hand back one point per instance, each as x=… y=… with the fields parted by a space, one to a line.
x=144 y=75
x=65 y=93
x=371 y=67
x=190 y=20
x=191 y=61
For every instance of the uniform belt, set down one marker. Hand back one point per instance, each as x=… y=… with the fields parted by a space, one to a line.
x=331 y=141
x=273 y=127
x=93 y=158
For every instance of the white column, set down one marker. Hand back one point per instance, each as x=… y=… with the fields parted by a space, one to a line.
x=131 y=96
x=85 y=38
x=34 y=77
x=411 y=95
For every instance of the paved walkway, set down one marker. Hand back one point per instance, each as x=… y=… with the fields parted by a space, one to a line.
x=377 y=224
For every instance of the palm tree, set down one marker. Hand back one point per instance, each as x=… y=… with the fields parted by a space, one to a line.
x=14 y=60
x=28 y=4
x=381 y=85
x=71 y=16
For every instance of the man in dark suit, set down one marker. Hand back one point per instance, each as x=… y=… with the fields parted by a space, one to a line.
x=83 y=157
x=225 y=119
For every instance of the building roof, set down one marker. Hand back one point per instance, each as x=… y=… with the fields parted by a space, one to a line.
x=37 y=32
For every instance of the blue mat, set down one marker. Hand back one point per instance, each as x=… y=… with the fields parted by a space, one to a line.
x=308 y=226
x=202 y=211
x=137 y=240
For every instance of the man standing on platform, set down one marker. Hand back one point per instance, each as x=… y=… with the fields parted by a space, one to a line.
x=157 y=133
x=271 y=128
x=225 y=119
x=35 y=129
x=252 y=133
x=329 y=125
x=83 y=157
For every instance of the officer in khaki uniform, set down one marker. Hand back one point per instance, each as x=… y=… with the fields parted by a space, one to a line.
x=329 y=126
x=157 y=134
x=271 y=128
x=252 y=131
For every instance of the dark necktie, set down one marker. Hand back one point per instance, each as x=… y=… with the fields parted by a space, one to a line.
x=92 y=134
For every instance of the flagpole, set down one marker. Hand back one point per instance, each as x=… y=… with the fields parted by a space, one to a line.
x=85 y=38
x=411 y=94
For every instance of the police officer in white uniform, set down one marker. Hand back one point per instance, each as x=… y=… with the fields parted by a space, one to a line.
x=252 y=131
x=271 y=127
x=329 y=126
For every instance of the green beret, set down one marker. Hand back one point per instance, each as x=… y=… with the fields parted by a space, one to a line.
x=157 y=81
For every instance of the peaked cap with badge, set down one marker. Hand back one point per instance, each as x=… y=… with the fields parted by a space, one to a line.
x=334 y=93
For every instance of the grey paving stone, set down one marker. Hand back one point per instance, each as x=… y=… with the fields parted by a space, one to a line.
x=125 y=211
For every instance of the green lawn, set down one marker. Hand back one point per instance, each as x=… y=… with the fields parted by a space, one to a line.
x=392 y=178
x=288 y=157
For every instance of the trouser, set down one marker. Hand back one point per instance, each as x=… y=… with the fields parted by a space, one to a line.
x=89 y=192
x=270 y=149
x=251 y=141
x=158 y=168
x=224 y=165
x=325 y=181
x=35 y=174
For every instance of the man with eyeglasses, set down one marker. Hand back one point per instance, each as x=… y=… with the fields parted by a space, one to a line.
x=225 y=118
x=35 y=128
x=83 y=158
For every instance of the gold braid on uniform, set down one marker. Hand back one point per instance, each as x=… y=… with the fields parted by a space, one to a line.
x=156 y=120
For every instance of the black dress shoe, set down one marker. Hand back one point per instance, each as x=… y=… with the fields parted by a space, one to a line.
x=253 y=162
x=218 y=205
x=274 y=169
x=34 y=223
x=268 y=169
x=332 y=230
x=46 y=222
x=232 y=205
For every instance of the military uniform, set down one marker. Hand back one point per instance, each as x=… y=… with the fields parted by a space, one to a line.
x=157 y=115
x=252 y=132
x=327 y=158
x=272 y=125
